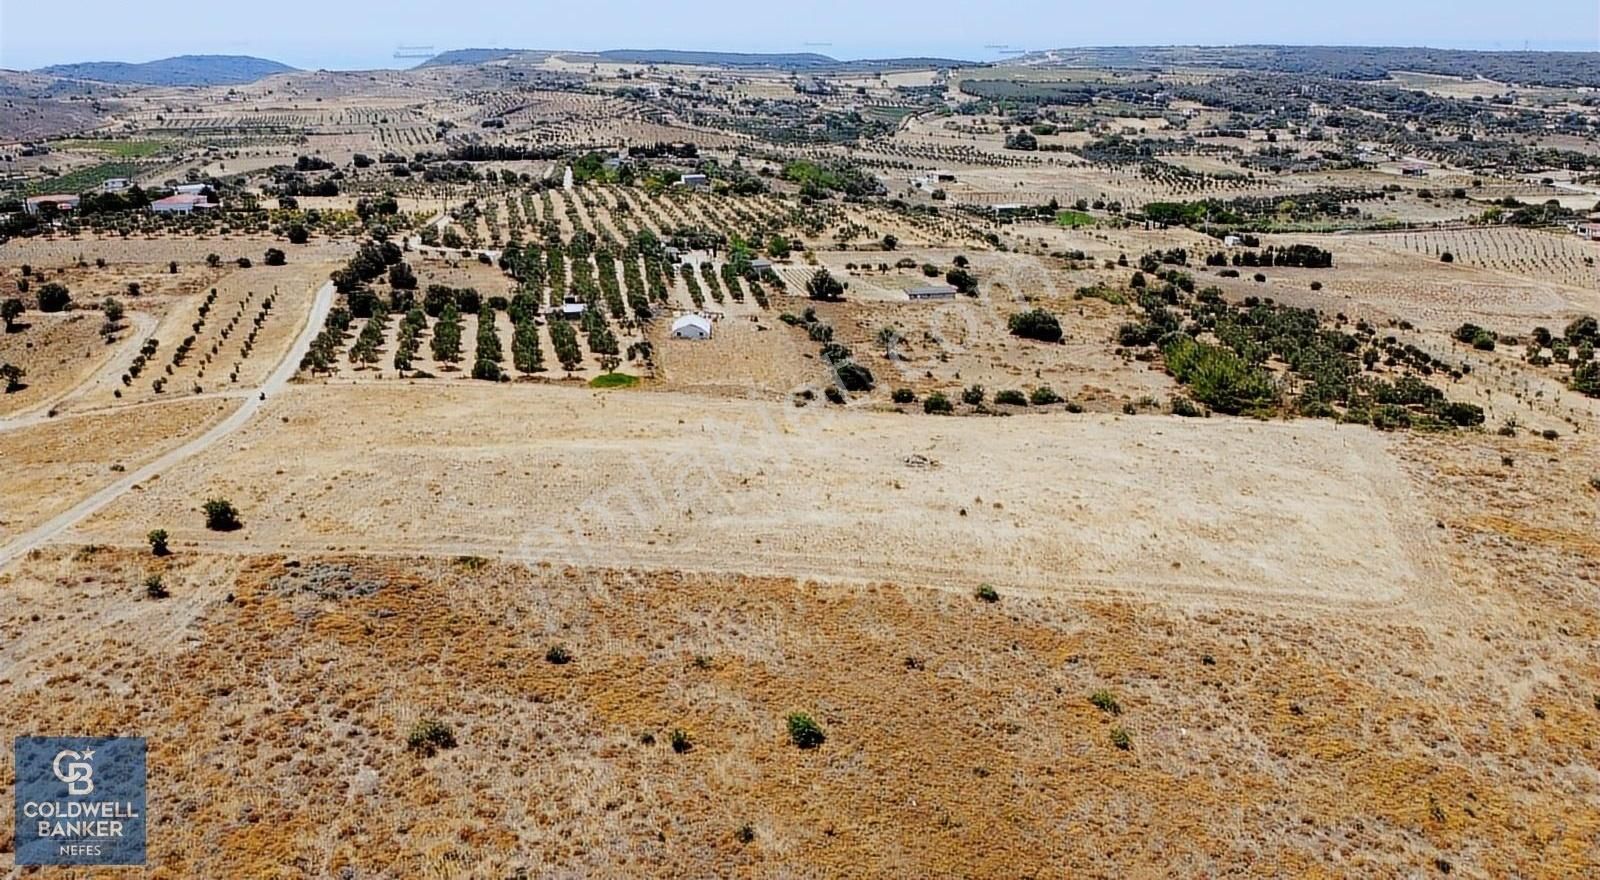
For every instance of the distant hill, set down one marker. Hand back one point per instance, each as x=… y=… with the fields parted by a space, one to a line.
x=469 y=56
x=184 y=70
x=785 y=61
x=798 y=61
x=778 y=61
x=1555 y=69
x=794 y=61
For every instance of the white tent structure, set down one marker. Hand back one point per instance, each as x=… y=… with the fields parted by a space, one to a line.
x=692 y=327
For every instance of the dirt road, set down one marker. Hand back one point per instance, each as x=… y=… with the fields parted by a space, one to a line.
x=254 y=401
x=144 y=326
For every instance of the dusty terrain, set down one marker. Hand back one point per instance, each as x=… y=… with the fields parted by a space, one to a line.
x=1073 y=633
x=1045 y=504
x=1452 y=726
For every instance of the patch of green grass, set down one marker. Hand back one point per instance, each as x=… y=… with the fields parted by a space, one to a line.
x=83 y=179
x=889 y=114
x=1073 y=219
x=1101 y=292
x=121 y=149
x=614 y=380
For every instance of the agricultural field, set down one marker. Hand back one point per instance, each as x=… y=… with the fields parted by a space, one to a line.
x=1543 y=256
x=1141 y=462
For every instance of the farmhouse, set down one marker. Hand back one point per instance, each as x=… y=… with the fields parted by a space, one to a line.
x=691 y=327
x=931 y=291
x=1589 y=230
x=695 y=181
x=189 y=189
x=760 y=264
x=1413 y=169
x=62 y=203
x=115 y=184
x=180 y=204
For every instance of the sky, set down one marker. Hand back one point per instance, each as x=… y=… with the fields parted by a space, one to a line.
x=353 y=34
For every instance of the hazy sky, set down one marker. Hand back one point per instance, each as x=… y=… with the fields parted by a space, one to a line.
x=345 y=34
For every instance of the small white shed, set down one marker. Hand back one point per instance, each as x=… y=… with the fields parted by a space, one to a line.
x=931 y=291
x=692 y=327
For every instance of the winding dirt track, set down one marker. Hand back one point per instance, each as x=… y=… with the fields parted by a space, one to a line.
x=255 y=400
x=144 y=327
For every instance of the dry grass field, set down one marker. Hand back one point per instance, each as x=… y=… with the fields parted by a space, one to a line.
x=681 y=482
x=1447 y=725
x=1217 y=568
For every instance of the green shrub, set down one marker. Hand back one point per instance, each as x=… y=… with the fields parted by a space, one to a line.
x=804 y=732
x=986 y=593
x=154 y=588
x=1183 y=406
x=835 y=353
x=1035 y=324
x=558 y=654
x=1121 y=739
x=1105 y=702
x=1585 y=379
x=1217 y=377
x=853 y=376
x=823 y=286
x=903 y=395
x=972 y=395
x=1044 y=395
x=221 y=515
x=158 y=542
x=428 y=736
x=680 y=740
x=937 y=404
x=54 y=297
x=1464 y=415
x=1011 y=397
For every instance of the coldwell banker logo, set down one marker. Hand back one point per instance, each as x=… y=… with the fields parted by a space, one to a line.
x=80 y=800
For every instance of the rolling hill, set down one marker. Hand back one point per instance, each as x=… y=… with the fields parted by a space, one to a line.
x=183 y=70
x=469 y=56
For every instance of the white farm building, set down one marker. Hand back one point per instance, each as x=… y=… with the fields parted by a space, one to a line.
x=931 y=291
x=692 y=327
x=180 y=204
